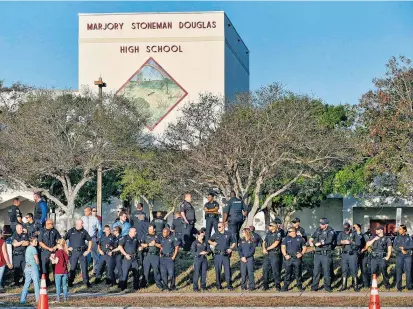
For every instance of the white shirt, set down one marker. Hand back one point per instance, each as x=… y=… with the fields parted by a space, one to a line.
x=91 y=224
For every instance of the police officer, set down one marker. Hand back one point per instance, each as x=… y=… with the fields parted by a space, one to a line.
x=200 y=249
x=223 y=242
x=20 y=244
x=300 y=230
x=105 y=245
x=48 y=238
x=211 y=209
x=169 y=250
x=116 y=254
x=159 y=223
x=234 y=214
x=322 y=240
x=362 y=255
x=40 y=209
x=271 y=248
x=14 y=211
x=77 y=236
x=246 y=251
x=188 y=215
x=403 y=245
x=32 y=228
x=293 y=249
x=381 y=252
x=350 y=244
x=138 y=212
x=178 y=226
x=257 y=237
x=123 y=222
x=129 y=246
x=151 y=248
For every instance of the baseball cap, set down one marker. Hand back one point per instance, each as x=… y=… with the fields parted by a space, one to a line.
x=380 y=227
x=346 y=225
x=324 y=221
x=277 y=221
x=295 y=220
x=273 y=223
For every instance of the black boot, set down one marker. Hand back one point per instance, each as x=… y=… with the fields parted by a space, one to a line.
x=343 y=285
x=355 y=285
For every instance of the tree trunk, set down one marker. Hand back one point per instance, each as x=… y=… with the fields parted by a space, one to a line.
x=70 y=214
x=256 y=205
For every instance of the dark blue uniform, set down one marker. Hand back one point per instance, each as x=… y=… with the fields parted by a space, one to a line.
x=189 y=211
x=130 y=245
x=33 y=229
x=168 y=245
x=221 y=256
x=19 y=259
x=151 y=259
x=379 y=252
x=234 y=209
x=322 y=257
x=301 y=230
x=403 y=261
x=48 y=238
x=293 y=246
x=257 y=239
x=273 y=260
x=200 y=262
x=134 y=217
x=178 y=226
x=117 y=257
x=159 y=224
x=14 y=212
x=212 y=219
x=247 y=249
x=364 y=260
x=106 y=244
x=77 y=240
x=349 y=256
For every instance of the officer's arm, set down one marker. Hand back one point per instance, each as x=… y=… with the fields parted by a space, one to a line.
x=389 y=249
x=17 y=243
x=244 y=209
x=175 y=252
x=157 y=244
x=339 y=239
x=43 y=245
x=122 y=250
x=304 y=249
x=233 y=242
x=284 y=250
x=89 y=246
x=100 y=249
x=211 y=240
x=274 y=245
x=225 y=212
x=396 y=245
x=370 y=242
x=193 y=248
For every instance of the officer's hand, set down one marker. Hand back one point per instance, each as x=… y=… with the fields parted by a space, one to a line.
x=311 y=243
x=173 y=258
x=25 y=231
x=264 y=251
x=387 y=258
x=299 y=233
x=404 y=251
x=299 y=254
x=110 y=253
x=229 y=250
x=86 y=253
x=203 y=253
x=401 y=248
x=152 y=243
x=287 y=257
x=70 y=249
x=363 y=250
x=318 y=244
x=10 y=266
x=226 y=225
x=128 y=257
x=101 y=252
x=376 y=238
x=244 y=259
x=51 y=249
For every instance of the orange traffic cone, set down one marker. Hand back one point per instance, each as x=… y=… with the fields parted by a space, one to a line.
x=43 y=299
x=374 y=295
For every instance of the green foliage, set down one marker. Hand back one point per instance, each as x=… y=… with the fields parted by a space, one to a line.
x=140 y=182
x=351 y=180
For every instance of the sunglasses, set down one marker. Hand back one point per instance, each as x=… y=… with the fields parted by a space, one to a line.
x=94 y=211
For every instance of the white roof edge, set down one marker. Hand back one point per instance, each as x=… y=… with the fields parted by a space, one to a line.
x=148 y=13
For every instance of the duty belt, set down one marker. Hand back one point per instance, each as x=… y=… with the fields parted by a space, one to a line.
x=276 y=250
x=19 y=252
x=79 y=249
x=221 y=252
x=167 y=255
x=323 y=252
x=378 y=254
x=409 y=252
x=350 y=252
x=211 y=215
x=152 y=253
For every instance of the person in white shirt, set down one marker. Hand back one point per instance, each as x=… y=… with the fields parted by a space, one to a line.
x=92 y=225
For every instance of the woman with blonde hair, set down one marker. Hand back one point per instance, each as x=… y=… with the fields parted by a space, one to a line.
x=61 y=260
x=246 y=251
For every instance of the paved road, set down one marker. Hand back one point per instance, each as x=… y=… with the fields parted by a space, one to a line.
x=204 y=307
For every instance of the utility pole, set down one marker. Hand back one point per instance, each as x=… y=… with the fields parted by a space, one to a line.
x=100 y=84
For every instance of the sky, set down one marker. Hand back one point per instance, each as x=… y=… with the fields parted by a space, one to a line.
x=330 y=50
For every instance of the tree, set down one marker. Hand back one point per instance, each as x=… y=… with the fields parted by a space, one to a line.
x=267 y=134
x=386 y=118
x=65 y=136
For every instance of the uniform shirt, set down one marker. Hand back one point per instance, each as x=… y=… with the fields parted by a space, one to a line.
x=223 y=240
x=293 y=245
x=49 y=237
x=234 y=209
x=149 y=238
x=197 y=247
x=130 y=245
x=14 y=211
x=271 y=238
x=32 y=228
x=168 y=244
x=257 y=239
x=116 y=241
x=189 y=210
x=402 y=241
x=141 y=228
x=212 y=205
x=325 y=237
x=77 y=238
x=302 y=231
x=355 y=241
x=159 y=224
x=40 y=211
x=134 y=217
x=29 y=258
x=106 y=242
x=20 y=237
x=246 y=248
x=125 y=227
x=91 y=224
x=178 y=225
x=381 y=244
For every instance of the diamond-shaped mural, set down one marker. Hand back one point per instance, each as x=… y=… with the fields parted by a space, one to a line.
x=152 y=88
